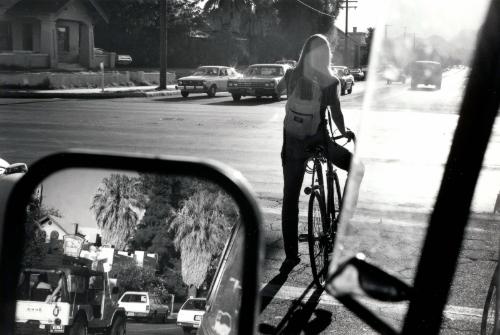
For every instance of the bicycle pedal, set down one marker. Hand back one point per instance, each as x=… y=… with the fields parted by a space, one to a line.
x=303 y=237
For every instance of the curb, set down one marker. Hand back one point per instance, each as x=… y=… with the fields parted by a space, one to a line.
x=90 y=95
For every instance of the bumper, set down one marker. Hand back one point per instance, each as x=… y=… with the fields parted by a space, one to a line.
x=188 y=324
x=192 y=89
x=25 y=328
x=138 y=315
x=253 y=91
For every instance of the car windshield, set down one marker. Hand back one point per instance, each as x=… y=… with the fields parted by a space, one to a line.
x=266 y=71
x=206 y=71
x=195 y=305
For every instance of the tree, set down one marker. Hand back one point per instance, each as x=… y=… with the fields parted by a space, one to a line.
x=298 y=22
x=202 y=227
x=116 y=206
x=134 y=28
x=35 y=248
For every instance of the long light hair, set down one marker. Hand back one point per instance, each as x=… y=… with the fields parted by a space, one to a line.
x=320 y=70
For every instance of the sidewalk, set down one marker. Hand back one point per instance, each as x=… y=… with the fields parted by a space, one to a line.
x=92 y=93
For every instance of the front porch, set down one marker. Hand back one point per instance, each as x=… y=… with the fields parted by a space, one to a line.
x=44 y=34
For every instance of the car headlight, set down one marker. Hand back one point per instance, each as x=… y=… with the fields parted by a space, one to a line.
x=269 y=84
x=179 y=83
x=230 y=84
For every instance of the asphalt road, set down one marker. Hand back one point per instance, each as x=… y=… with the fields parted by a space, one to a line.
x=136 y=328
x=404 y=140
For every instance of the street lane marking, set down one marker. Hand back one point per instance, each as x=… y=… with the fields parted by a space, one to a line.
x=460 y=313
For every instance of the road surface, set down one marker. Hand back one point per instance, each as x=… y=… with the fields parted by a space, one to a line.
x=404 y=140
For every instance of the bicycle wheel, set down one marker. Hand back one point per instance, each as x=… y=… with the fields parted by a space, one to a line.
x=490 y=310
x=317 y=238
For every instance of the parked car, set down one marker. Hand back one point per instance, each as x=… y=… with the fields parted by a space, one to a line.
x=120 y=59
x=191 y=313
x=345 y=77
x=144 y=305
x=426 y=73
x=357 y=73
x=291 y=62
x=259 y=80
x=207 y=79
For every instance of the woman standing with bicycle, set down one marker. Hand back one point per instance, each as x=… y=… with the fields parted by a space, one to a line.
x=311 y=88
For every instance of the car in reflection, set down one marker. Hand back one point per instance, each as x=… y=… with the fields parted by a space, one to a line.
x=144 y=305
x=357 y=73
x=207 y=79
x=191 y=313
x=345 y=77
x=259 y=80
x=426 y=73
x=291 y=62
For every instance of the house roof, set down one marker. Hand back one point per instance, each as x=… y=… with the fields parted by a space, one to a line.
x=44 y=7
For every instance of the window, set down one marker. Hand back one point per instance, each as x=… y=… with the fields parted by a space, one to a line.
x=5 y=36
x=27 y=36
x=63 y=39
x=135 y=298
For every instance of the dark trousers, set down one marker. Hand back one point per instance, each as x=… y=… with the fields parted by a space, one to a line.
x=293 y=158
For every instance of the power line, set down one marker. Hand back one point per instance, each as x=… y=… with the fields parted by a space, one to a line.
x=314 y=9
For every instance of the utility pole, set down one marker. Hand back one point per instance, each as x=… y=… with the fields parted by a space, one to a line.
x=346 y=7
x=163 y=45
x=385 y=30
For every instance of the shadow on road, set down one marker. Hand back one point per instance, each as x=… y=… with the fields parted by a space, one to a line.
x=299 y=318
x=188 y=99
x=245 y=102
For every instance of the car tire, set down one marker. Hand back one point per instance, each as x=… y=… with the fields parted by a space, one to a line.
x=276 y=97
x=342 y=90
x=79 y=327
x=165 y=318
x=184 y=94
x=119 y=326
x=236 y=97
x=187 y=330
x=211 y=91
x=349 y=91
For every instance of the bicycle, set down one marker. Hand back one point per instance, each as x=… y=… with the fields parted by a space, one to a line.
x=489 y=322
x=323 y=210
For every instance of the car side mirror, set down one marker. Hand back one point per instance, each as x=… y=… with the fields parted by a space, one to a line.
x=200 y=216
x=356 y=278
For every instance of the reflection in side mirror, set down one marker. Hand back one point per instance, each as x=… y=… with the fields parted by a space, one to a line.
x=89 y=231
x=358 y=277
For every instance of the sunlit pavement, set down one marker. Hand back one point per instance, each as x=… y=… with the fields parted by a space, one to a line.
x=403 y=142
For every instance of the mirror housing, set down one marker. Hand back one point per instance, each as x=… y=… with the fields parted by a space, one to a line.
x=358 y=277
x=229 y=180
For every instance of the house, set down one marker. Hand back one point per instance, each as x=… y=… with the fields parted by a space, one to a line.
x=51 y=228
x=50 y=34
x=356 y=44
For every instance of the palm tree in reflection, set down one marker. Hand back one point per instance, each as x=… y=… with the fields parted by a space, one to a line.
x=116 y=206
x=201 y=228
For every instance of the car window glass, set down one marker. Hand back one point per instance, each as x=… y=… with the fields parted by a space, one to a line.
x=195 y=305
x=404 y=136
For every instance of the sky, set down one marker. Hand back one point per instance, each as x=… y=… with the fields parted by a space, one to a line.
x=71 y=192
x=423 y=17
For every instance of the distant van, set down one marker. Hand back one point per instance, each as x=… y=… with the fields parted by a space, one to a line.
x=426 y=73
